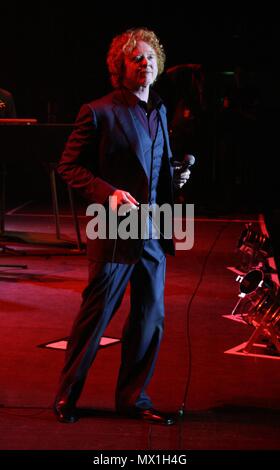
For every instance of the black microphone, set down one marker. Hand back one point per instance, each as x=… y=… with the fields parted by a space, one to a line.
x=185 y=164
x=181 y=166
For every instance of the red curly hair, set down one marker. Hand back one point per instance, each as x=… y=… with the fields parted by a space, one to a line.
x=124 y=44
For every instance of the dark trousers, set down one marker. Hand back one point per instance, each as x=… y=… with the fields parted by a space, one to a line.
x=142 y=332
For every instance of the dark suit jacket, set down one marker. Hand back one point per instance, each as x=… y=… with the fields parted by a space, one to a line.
x=104 y=153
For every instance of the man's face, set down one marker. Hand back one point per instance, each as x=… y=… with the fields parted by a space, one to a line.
x=141 y=67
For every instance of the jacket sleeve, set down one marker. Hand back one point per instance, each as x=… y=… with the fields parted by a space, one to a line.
x=73 y=165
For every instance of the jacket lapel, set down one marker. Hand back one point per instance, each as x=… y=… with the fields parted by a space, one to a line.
x=126 y=119
x=162 y=116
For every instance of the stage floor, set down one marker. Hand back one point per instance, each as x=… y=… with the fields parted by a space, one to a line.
x=231 y=399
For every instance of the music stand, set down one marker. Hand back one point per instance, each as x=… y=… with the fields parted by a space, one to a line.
x=55 y=133
x=3 y=247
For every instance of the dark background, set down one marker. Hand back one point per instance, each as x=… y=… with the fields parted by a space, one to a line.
x=56 y=53
x=53 y=58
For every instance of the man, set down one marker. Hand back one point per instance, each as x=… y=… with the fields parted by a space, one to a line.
x=7 y=105
x=119 y=154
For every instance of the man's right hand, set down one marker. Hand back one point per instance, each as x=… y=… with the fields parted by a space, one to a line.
x=119 y=198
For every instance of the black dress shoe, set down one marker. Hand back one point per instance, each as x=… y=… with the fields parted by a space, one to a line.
x=65 y=412
x=151 y=415
x=156 y=416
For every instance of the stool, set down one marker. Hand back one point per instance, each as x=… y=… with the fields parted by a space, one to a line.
x=52 y=170
x=52 y=173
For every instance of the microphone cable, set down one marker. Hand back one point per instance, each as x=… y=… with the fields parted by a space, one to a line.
x=181 y=410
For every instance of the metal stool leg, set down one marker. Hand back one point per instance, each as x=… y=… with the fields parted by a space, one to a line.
x=75 y=218
x=55 y=201
x=2 y=199
x=3 y=248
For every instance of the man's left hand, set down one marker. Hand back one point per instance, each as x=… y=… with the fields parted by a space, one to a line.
x=180 y=179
